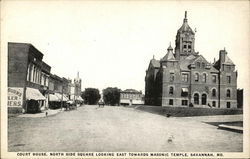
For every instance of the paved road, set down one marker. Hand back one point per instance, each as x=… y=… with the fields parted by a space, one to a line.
x=90 y=128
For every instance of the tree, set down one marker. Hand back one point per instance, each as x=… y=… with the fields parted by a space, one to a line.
x=111 y=96
x=91 y=96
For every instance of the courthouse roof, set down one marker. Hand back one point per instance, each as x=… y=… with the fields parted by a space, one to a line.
x=168 y=57
x=228 y=60
x=185 y=27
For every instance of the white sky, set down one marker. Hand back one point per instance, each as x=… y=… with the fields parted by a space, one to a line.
x=111 y=43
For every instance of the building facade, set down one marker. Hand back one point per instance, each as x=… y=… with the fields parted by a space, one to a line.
x=76 y=89
x=183 y=77
x=28 y=78
x=131 y=97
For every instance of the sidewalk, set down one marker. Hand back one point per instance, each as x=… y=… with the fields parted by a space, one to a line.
x=42 y=114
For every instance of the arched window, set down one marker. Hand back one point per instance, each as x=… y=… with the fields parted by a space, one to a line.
x=171 y=90
x=228 y=93
x=204 y=77
x=214 y=92
x=204 y=99
x=196 y=77
x=196 y=98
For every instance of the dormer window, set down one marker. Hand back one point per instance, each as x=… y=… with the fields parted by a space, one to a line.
x=198 y=64
x=203 y=65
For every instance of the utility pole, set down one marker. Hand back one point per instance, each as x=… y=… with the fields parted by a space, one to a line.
x=62 y=97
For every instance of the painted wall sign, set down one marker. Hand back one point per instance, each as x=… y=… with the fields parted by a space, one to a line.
x=15 y=97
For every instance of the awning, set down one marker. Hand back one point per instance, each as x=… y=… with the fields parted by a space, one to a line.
x=53 y=98
x=34 y=94
x=64 y=98
x=184 y=89
x=79 y=98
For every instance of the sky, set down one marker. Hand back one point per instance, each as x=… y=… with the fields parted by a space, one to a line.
x=111 y=43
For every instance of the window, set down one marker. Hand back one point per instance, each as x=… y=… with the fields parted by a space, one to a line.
x=203 y=65
x=214 y=92
x=198 y=64
x=228 y=79
x=171 y=77
x=204 y=99
x=228 y=104
x=171 y=102
x=189 y=46
x=228 y=68
x=214 y=103
x=204 y=77
x=184 y=102
x=196 y=98
x=184 y=46
x=184 y=77
x=184 y=92
x=228 y=93
x=196 y=77
x=171 y=90
x=214 y=78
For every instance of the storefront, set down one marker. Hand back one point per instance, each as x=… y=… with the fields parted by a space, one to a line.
x=34 y=100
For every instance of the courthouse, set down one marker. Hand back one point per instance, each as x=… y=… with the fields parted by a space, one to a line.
x=183 y=77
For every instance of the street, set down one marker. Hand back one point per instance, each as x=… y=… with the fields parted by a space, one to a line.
x=90 y=128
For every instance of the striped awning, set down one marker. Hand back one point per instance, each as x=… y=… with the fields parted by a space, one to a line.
x=53 y=98
x=79 y=98
x=34 y=94
x=61 y=98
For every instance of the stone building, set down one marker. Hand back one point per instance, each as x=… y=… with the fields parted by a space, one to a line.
x=28 y=78
x=183 y=77
x=76 y=89
x=131 y=97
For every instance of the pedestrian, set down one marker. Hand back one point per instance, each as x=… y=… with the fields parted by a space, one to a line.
x=46 y=113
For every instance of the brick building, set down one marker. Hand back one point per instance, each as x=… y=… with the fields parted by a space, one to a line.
x=131 y=97
x=28 y=78
x=183 y=77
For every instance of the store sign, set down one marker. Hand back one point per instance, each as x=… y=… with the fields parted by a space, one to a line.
x=15 y=97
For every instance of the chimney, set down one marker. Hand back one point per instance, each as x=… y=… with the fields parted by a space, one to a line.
x=223 y=55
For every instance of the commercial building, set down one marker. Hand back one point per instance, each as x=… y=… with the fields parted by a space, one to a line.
x=183 y=77
x=28 y=78
x=131 y=97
